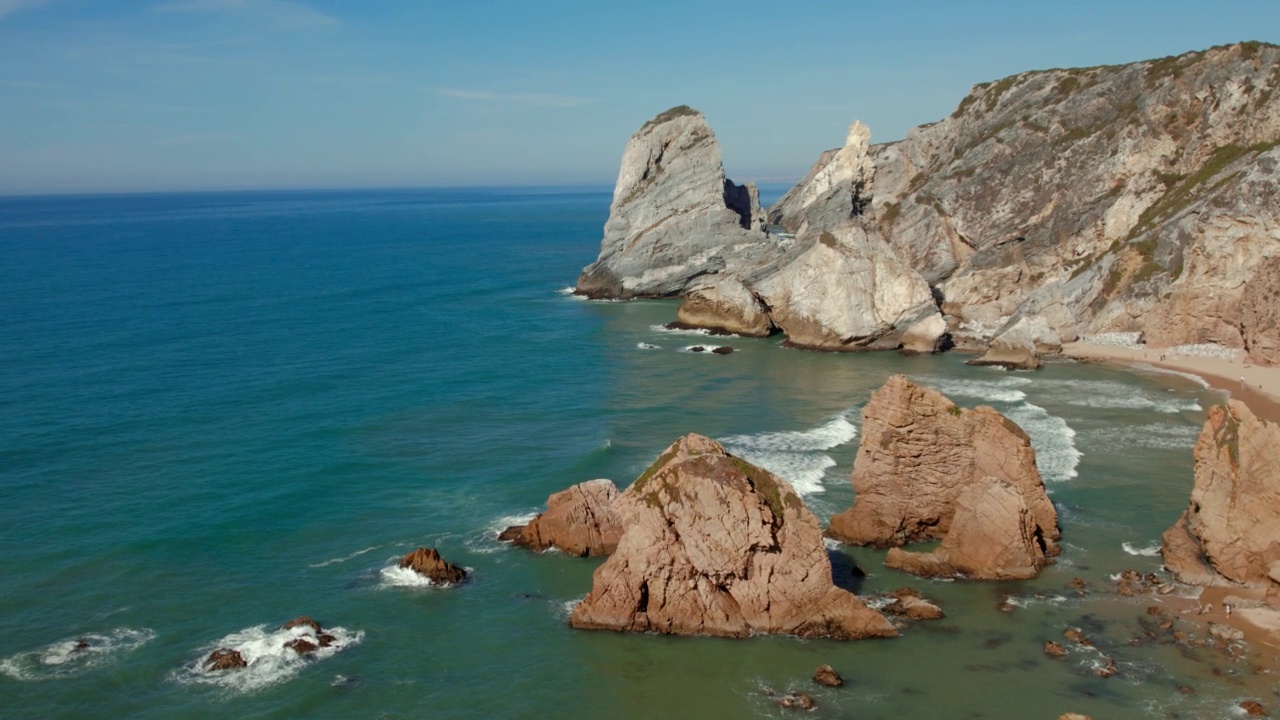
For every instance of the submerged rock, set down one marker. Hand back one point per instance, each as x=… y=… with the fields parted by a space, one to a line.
x=578 y=521
x=926 y=468
x=428 y=563
x=797 y=701
x=674 y=215
x=713 y=545
x=1230 y=532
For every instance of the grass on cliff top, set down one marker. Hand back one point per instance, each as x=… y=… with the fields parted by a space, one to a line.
x=678 y=111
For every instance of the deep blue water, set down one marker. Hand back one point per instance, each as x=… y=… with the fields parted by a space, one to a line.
x=225 y=410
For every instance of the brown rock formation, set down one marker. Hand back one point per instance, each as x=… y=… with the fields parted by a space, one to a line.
x=992 y=537
x=579 y=521
x=827 y=675
x=428 y=563
x=1260 y=314
x=301 y=621
x=224 y=659
x=1230 y=533
x=716 y=546
x=909 y=604
x=919 y=452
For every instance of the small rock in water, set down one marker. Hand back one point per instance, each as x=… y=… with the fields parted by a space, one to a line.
x=302 y=646
x=428 y=563
x=511 y=534
x=1253 y=708
x=301 y=621
x=1185 y=690
x=826 y=675
x=1077 y=637
x=723 y=350
x=342 y=681
x=1053 y=649
x=81 y=646
x=797 y=701
x=1108 y=669
x=225 y=659
x=697 y=348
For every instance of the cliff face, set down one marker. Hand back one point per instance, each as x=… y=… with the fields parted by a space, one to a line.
x=674 y=215
x=1137 y=197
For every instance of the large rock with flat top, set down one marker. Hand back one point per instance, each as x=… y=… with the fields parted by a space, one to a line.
x=578 y=521
x=1230 y=532
x=920 y=453
x=716 y=546
x=847 y=290
x=675 y=216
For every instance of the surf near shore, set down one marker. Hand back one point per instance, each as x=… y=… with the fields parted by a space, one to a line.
x=1221 y=368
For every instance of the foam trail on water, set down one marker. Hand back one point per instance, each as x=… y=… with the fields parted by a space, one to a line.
x=353 y=555
x=1148 y=551
x=1162 y=436
x=73 y=655
x=648 y=346
x=394 y=576
x=1004 y=390
x=1052 y=438
x=796 y=456
x=269 y=658
x=680 y=331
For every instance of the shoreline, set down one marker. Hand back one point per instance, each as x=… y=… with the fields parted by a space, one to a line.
x=1260 y=389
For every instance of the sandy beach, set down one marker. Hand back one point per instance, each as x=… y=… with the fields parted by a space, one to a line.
x=1257 y=386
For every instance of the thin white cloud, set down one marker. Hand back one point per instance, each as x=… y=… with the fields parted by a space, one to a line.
x=527 y=99
x=8 y=7
x=277 y=13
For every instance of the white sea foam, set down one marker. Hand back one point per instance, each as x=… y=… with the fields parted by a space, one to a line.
x=680 y=331
x=1115 y=339
x=1052 y=438
x=395 y=576
x=1026 y=601
x=1109 y=394
x=268 y=658
x=1004 y=390
x=1155 y=435
x=70 y=656
x=648 y=346
x=345 y=558
x=1152 y=550
x=798 y=456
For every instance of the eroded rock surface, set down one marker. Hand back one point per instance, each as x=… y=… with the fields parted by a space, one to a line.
x=846 y=290
x=725 y=305
x=992 y=537
x=716 y=546
x=1230 y=532
x=579 y=521
x=675 y=216
x=919 y=452
x=428 y=563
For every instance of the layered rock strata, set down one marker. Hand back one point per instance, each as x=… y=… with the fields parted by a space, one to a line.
x=1138 y=198
x=674 y=215
x=1230 y=532
x=919 y=453
x=716 y=546
x=578 y=521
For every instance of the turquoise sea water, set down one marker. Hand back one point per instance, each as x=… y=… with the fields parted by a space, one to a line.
x=222 y=411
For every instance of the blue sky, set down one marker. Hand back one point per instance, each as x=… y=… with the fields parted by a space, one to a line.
x=126 y=95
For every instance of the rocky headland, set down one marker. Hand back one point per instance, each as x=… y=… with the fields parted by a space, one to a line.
x=713 y=545
x=1049 y=205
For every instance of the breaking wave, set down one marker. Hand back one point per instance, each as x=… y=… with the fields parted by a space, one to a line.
x=73 y=655
x=798 y=456
x=268 y=657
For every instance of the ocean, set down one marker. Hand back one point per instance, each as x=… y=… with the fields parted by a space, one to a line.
x=226 y=410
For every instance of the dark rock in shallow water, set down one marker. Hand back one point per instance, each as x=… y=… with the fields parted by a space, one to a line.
x=428 y=563
x=797 y=701
x=301 y=621
x=827 y=675
x=723 y=350
x=511 y=534
x=224 y=659
x=302 y=646
x=1053 y=649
